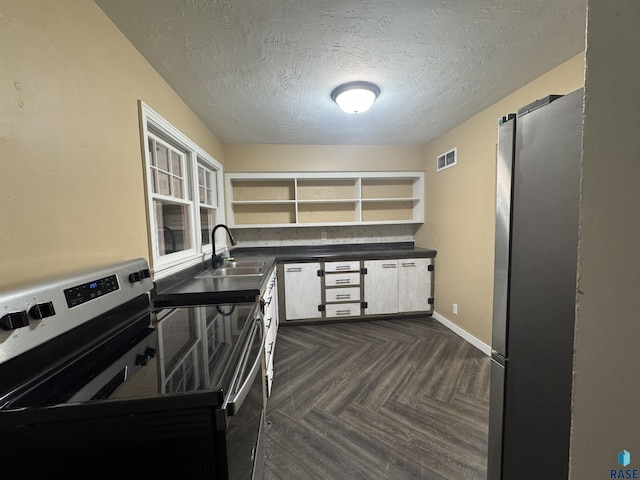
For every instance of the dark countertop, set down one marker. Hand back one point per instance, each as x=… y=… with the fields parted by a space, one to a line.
x=190 y=287
x=356 y=251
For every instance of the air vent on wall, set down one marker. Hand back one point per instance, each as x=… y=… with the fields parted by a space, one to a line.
x=447 y=159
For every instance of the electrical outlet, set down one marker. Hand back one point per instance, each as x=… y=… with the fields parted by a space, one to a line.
x=323 y=235
x=455 y=308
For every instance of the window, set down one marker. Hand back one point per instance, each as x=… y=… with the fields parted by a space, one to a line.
x=208 y=200
x=184 y=187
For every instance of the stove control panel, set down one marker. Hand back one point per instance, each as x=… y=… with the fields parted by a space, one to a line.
x=90 y=290
x=34 y=314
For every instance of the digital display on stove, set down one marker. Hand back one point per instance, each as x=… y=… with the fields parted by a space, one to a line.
x=88 y=291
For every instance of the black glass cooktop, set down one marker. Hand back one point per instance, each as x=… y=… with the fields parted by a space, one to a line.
x=172 y=351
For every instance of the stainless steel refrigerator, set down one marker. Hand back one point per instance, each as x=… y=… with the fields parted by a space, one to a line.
x=537 y=214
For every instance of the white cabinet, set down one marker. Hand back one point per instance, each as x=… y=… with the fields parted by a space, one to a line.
x=295 y=199
x=342 y=289
x=414 y=284
x=269 y=304
x=302 y=290
x=356 y=288
x=398 y=286
x=381 y=286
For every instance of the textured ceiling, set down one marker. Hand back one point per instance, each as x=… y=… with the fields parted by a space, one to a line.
x=262 y=71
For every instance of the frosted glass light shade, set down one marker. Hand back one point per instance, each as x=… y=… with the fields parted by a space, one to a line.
x=355 y=97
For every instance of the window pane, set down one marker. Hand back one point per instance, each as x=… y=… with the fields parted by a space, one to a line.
x=213 y=198
x=162 y=157
x=177 y=188
x=201 y=176
x=207 y=184
x=154 y=179
x=150 y=150
x=176 y=164
x=173 y=227
x=206 y=224
x=163 y=183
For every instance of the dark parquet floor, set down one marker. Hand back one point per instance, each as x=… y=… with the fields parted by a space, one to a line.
x=401 y=399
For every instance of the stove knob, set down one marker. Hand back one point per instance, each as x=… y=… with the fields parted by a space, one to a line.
x=150 y=352
x=14 y=320
x=42 y=310
x=141 y=359
x=134 y=277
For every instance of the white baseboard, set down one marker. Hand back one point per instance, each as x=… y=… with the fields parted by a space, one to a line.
x=479 y=344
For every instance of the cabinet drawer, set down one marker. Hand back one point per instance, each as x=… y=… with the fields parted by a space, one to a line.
x=338 y=279
x=343 y=310
x=270 y=347
x=342 y=294
x=269 y=303
x=353 y=266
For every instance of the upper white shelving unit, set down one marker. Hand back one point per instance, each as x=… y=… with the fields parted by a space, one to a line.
x=288 y=199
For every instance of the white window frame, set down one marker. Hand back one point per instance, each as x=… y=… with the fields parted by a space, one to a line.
x=163 y=265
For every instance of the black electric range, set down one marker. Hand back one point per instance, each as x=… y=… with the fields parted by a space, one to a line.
x=96 y=383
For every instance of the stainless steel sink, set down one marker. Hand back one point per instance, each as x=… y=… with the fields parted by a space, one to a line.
x=246 y=268
x=245 y=263
x=227 y=271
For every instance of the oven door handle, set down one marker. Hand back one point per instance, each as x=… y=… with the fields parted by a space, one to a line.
x=236 y=396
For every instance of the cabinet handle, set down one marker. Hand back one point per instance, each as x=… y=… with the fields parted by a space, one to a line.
x=343 y=267
x=270 y=348
x=409 y=264
x=294 y=269
x=343 y=312
x=269 y=322
x=389 y=265
x=343 y=295
x=343 y=280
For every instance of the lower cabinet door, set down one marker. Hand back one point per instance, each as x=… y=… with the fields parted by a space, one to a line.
x=302 y=290
x=414 y=283
x=381 y=286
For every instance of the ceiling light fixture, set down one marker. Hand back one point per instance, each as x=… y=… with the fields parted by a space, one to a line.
x=355 y=97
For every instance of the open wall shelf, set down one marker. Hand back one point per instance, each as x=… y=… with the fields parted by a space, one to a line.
x=288 y=199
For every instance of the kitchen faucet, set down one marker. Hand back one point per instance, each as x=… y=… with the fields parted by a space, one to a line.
x=216 y=260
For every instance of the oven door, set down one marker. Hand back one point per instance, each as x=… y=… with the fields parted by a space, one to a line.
x=245 y=411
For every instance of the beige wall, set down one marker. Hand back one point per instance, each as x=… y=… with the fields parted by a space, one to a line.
x=330 y=158
x=606 y=391
x=460 y=204
x=71 y=188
